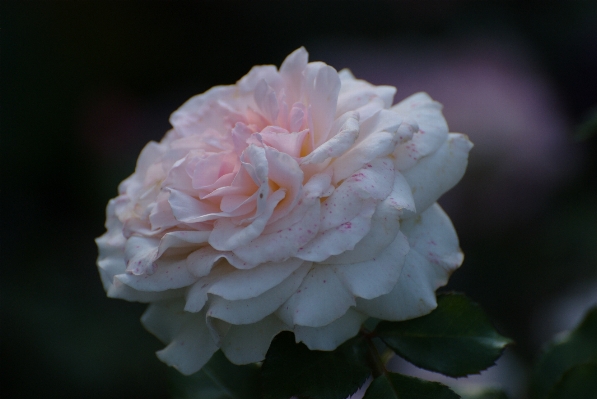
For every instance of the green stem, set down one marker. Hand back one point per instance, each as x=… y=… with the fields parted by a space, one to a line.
x=375 y=362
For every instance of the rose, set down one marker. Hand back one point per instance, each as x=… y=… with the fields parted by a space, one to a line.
x=297 y=199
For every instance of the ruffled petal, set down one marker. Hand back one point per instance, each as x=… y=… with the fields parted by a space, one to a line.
x=245 y=284
x=321 y=299
x=331 y=336
x=244 y=344
x=377 y=276
x=190 y=344
x=434 y=175
x=254 y=309
x=431 y=133
x=321 y=87
x=168 y=274
x=434 y=255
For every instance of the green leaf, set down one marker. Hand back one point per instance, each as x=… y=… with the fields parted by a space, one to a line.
x=579 y=382
x=588 y=128
x=218 y=379
x=291 y=369
x=456 y=339
x=398 y=386
x=576 y=347
x=486 y=394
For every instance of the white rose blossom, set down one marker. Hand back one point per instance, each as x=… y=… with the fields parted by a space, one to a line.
x=297 y=199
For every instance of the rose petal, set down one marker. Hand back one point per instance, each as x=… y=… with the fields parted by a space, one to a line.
x=321 y=87
x=331 y=336
x=254 y=309
x=434 y=255
x=339 y=143
x=321 y=299
x=245 y=284
x=375 y=277
x=434 y=175
x=190 y=344
x=244 y=344
x=168 y=274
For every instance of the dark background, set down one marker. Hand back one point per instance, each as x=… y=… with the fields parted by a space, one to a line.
x=84 y=85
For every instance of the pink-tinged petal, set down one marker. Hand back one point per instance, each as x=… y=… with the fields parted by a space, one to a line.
x=320 y=299
x=285 y=142
x=339 y=143
x=354 y=93
x=373 y=181
x=187 y=209
x=206 y=111
x=401 y=197
x=227 y=236
x=161 y=216
x=119 y=290
x=267 y=101
x=249 y=343
x=434 y=175
x=322 y=86
x=240 y=134
x=140 y=254
x=284 y=172
x=296 y=118
x=431 y=133
x=212 y=170
x=342 y=238
x=385 y=225
x=167 y=274
x=317 y=186
x=378 y=276
x=381 y=121
x=254 y=309
x=203 y=260
x=190 y=344
x=284 y=243
x=181 y=242
x=245 y=284
x=291 y=72
x=331 y=336
x=434 y=255
x=249 y=82
x=376 y=145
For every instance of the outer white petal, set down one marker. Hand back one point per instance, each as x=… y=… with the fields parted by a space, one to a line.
x=168 y=274
x=339 y=143
x=190 y=344
x=291 y=72
x=385 y=224
x=434 y=255
x=377 y=276
x=321 y=87
x=431 y=133
x=245 y=284
x=249 y=343
x=284 y=243
x=321 y=299
x=329 y=337
x=254 y=309
x=356 y=93
x=342 y=238
x=205 y=111
x=227 y=236
x=434 y=175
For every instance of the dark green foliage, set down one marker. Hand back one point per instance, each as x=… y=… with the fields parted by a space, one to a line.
x=579 y=382
x=576 y=348
x=291 y=369
x=456 y=339
x=398 y=386
x=218 y=379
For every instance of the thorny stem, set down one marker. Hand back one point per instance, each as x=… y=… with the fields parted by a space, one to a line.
x=375 y=361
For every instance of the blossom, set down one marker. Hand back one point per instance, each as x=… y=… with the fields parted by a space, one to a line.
x=298 y=199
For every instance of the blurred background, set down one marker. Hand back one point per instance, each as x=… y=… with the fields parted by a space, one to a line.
x=85 y=85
